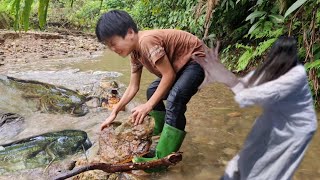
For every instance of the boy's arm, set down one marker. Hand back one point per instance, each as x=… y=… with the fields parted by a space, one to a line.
x=128 y=95
x=168 y=76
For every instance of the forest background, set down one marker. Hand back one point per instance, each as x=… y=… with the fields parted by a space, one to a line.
x=246 y=28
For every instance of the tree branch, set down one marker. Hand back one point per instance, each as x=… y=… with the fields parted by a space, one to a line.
x=169 y=160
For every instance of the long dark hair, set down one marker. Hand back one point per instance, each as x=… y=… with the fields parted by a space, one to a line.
x=282 y=57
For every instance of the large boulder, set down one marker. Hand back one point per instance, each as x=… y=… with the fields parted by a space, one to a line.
x=122 y=140
x=118 y=144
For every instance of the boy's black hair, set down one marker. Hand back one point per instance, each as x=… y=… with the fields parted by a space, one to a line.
x=114 y=22
x=282 y=57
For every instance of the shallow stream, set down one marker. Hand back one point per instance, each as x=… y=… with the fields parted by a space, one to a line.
x=216 y=126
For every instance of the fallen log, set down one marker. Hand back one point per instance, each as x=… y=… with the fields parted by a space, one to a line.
x=169 y=160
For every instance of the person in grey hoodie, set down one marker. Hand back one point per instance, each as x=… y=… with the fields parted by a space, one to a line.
x=280 y=136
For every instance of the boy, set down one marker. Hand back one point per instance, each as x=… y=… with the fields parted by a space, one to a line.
x=165 y=53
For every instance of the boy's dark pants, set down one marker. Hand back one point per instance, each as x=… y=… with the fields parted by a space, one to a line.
x=187 y=81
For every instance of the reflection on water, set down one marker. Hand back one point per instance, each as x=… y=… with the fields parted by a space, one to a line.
x=216 y=127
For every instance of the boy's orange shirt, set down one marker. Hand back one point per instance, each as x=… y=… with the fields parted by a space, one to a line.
x=179 y=46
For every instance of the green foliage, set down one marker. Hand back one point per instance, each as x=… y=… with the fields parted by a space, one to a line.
x=227 y=4
x=246 y=28
x=314 y=65
x=42 y=12
x=245 y=57
x=26 y=14
x=178 y=14
x=84 y=15
x=268 y=20
x=228 y=57
x=16 y=7
x=6 y=18
x=250 y=54
x=22 y=10
x=294 y=6
x=6 y=6
x=255 y=14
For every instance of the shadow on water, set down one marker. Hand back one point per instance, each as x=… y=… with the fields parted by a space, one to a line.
x=216 y=126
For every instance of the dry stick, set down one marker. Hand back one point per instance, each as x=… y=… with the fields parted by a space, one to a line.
x=171 y=159
x=312 y=73
x=309 y=45
x=292 y=19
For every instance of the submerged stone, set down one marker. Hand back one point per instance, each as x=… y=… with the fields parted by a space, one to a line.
x=11 y=124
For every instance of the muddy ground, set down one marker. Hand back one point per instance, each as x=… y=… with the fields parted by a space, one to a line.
x=28 y=47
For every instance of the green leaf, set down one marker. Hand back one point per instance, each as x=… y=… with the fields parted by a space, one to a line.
x=314 y=64
x=253 y=27
x=276 y=18
x=16 y=8
x=71 y=3
x=223 y=3
x=26 y=14
x=294 y=6
x=42 y=12
x=263 y=46
x=244 y=60
x=255 y=14
x=259 y=2
x=231 y=4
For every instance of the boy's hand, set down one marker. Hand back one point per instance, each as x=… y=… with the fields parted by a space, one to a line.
x=214 y=69
x=108 y=121
x=139 y=113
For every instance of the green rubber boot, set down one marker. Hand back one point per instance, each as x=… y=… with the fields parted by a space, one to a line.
x=170 y=141
x=159 y=121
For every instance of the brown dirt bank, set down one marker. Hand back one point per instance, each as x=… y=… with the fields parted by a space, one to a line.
x=27 y=47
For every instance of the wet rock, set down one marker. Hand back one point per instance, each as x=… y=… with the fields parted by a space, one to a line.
x=11 y=124
x=109 y=92
x=122 y=140
x=93 y=103
x=117 y=144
